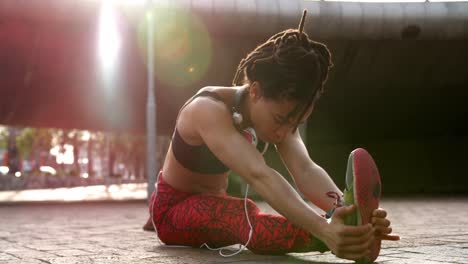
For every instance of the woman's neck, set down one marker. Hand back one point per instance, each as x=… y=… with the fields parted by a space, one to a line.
x=244 y=107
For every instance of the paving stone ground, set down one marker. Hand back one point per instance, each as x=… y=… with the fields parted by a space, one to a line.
x=433 y=230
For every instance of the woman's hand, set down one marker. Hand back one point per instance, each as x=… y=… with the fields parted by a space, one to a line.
x=382 y=225
x=346 y=241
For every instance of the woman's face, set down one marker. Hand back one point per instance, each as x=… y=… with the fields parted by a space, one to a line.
x=270 y=117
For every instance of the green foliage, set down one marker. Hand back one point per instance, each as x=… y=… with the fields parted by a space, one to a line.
x=44 y=137
x=24 y=142
x=3 y=137
x=30 y=139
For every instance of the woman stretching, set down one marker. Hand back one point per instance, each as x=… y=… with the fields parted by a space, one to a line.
x=274 y=90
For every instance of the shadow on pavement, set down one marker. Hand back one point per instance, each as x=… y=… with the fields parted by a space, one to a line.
x=206 y=256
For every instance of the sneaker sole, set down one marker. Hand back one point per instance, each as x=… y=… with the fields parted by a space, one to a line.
x=367 y=190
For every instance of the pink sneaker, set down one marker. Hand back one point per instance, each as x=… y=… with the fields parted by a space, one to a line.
x=363 y=188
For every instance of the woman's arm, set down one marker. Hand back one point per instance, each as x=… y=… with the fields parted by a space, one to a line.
x=213 y=123
x=311 y=179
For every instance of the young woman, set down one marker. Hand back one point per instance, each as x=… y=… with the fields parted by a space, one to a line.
x=282 y=80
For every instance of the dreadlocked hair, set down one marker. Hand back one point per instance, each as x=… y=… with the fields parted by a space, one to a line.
x=289 y=65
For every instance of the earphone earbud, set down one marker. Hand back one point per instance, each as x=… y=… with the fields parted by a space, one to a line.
x=237 y=118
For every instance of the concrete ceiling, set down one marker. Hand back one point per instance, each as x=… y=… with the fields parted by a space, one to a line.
x=400 y=69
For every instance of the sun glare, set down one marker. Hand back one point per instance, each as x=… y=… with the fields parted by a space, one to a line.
x=108 y=38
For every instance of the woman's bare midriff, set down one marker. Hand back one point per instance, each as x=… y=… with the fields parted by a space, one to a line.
x=185 y=180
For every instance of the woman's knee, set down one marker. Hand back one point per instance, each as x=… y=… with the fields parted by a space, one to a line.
x=252 y=207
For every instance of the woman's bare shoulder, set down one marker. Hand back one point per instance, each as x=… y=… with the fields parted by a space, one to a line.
x=202 y=111
x=221 y=90
x=206 y=106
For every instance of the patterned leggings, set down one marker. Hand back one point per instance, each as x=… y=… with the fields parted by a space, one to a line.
x=189 y=219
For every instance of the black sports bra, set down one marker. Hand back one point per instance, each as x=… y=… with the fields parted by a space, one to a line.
x=197 y=158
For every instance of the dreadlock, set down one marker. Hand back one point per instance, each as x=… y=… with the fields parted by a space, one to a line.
x=289 y=65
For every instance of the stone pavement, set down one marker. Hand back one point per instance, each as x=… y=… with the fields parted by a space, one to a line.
x=433 y=230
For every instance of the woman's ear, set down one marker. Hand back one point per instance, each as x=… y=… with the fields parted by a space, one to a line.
x=255 y=91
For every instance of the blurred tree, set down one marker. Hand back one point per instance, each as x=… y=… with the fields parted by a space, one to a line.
x=76 y=151
x=13 y=158
x=90 y=155
x=121 y=146
x=137 y=156
x=3 y=137
x=42 y=145
x=35 y=144
x=24 y=141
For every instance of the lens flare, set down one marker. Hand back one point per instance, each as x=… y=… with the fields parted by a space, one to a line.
x=182 y=46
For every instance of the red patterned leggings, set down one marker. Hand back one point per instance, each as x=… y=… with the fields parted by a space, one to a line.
x=188 y=219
